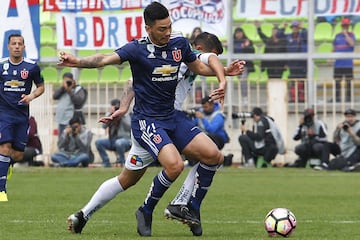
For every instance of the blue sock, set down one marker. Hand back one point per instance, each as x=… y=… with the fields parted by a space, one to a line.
x=160 y=184
x=204 y=176
x=4 y=167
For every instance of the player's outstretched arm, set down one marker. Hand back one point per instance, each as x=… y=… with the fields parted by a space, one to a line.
x=94 y=61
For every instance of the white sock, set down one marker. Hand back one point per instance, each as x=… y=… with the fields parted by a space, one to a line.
x=183 y=196
x=106 y=192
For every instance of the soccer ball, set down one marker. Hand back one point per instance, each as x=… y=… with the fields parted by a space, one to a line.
x=280 y=222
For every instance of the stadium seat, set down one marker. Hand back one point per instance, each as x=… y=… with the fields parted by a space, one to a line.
x=64 y=70
x=325 y=47
x=286 y=74
x=47 y=52
x=50 y=75
x=323 y=32
x=254 y=77
x=267 y=28
x=88 y=75
x=356 y=31
x=126 y=73
x=85 y=52
x=251 y=32
x=47 y=36
x=47 y=18
x=110 y=74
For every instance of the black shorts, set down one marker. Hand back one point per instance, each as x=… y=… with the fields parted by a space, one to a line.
x=339 y=73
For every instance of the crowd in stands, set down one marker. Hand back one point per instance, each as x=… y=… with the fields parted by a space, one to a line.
x=283 y=38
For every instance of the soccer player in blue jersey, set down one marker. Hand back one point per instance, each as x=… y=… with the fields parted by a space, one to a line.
x=16 y=78
x=156 y=126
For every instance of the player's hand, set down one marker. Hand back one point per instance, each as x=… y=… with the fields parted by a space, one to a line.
x=67 y=59
x=236 y=67
x=218 y=95
x=106 y=119
x=117 y=114
x=26 y=99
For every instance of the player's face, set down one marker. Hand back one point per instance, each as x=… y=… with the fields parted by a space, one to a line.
x=16 y=47
x=160 y=32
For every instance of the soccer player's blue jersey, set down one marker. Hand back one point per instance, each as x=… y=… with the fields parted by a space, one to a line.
x=155 y=74
x=15 y=80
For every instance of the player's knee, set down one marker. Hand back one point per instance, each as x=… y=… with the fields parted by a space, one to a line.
x=212 y=156
x=174 y=170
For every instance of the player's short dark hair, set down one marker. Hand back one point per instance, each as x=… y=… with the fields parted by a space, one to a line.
x=155 y=11
x=209 y=42
x=15 y=35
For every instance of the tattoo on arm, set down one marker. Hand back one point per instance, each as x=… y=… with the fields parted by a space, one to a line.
x=91 y=61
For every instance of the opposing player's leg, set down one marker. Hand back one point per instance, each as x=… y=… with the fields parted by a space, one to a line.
x=210 y=157
x=135 y=166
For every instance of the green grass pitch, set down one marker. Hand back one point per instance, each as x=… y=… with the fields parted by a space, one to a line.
x=326 y=204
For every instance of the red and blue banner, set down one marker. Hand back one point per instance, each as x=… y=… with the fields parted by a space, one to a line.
x=20 y=16
x=77 y=29
x=294 y=8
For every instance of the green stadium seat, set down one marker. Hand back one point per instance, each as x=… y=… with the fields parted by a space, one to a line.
x=254 y=77
x=64 y=70
x=85 y=52
x=110 y=74
x=267 y=28
x=251 y=32
x=47 y=36
x=323 y=32
x=89 y=75
x=50 y=75
x=48 y=51
x=356 y=31
x=325 y=47
x=126 y=73
x=286 y=74
x=47 y=18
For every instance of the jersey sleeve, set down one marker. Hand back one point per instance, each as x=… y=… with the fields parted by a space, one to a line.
x=204 y=57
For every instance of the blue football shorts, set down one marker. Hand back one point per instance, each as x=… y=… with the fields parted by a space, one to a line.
x=14 y=130
x=149 y=136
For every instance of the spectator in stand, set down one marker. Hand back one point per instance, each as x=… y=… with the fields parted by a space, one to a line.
x=118 y=139
x=343 y=68
x=74 y=146
x=196 y=31
x=296 y=42
x=33 y=146
x=242 y=44
x=71 y=98
x=276 y=43
x=313 y=136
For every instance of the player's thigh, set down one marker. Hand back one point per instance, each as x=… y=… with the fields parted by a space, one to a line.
x=202 y=148
x=21 y=129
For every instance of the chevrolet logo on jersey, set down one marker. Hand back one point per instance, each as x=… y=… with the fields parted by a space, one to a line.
x=165 y=70
x=14 y=83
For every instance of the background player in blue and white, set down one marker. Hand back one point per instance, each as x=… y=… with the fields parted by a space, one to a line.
x=17 y=75
x=156 y=126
